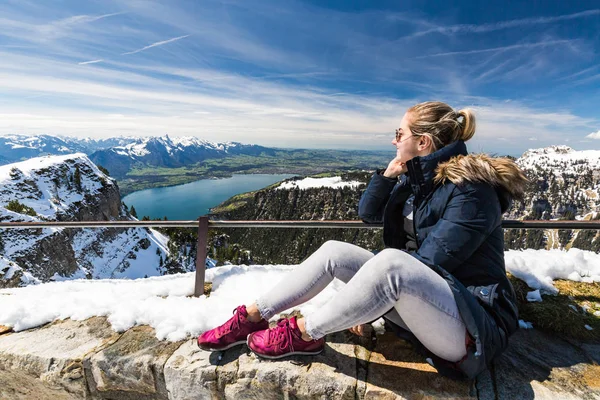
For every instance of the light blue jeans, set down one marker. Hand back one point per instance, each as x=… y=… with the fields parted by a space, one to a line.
x=392 y=282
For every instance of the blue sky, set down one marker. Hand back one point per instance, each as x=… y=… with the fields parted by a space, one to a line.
x=334 y=74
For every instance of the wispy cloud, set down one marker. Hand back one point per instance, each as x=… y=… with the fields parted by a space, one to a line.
x=515 y=23
x=63 y=26
x=90 y=62
x=496 y=49
x=265 y=112
x=82 y=19
x=594 y=135
x=163 y=42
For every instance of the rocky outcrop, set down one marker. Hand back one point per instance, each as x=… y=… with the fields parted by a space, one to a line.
x=46 y=363
x=70 y=188
x=132 y=365
x=290 y=246
x=75 y=360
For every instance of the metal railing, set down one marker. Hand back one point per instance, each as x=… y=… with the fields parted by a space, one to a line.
x=203 y=224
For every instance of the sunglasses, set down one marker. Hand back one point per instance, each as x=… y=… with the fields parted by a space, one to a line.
x=399 y=135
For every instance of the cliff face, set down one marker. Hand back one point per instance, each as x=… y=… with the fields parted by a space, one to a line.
x=69 y=188
x=564 y=184
x=289 y=246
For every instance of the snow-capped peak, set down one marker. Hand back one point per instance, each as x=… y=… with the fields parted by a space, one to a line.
x=560 y=149
x=560 y=158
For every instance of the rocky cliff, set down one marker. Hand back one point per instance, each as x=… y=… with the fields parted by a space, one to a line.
x=69 y=188
x=289 y=246
x=564 y=185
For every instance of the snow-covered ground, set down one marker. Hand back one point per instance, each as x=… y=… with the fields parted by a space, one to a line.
x=308 y=183
x=165 y=303
x=161 y=302
x=538 y=268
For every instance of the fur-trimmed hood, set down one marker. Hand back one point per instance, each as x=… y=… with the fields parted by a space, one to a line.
x=502 y=173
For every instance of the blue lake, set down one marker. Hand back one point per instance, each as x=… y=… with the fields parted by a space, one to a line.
x=189 y=201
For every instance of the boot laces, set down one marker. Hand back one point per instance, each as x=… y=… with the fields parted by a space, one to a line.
x=281 y=334
x=233 y=323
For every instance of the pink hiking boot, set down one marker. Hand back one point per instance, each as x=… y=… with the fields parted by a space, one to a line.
x=231 y=333
x=283 y=340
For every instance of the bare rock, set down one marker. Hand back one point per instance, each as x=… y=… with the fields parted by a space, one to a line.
x=396 y=371
x=537 y=365
x=87 y=360
x=330 y=375
x=191 y=373
x=46 y=363
x=237 y=373
x=130 y=368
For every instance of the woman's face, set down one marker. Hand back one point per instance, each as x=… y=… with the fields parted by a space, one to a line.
x=407 y=145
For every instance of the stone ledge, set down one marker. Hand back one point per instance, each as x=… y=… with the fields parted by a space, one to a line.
x=47 y=362
x=132 y=367
x=74 y=360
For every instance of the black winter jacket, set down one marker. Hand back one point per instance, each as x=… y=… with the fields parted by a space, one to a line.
x=458 y=207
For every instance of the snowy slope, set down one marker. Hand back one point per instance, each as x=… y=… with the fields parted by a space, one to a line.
x=70 y=188
x=561 y=159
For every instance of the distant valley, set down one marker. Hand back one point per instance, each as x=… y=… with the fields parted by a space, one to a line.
x=142 y=163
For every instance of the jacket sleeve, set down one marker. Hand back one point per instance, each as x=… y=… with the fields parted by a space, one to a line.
x=471 y=214
x=373 y=200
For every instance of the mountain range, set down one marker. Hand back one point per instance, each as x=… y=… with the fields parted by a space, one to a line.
x=14 y=148
x=120 y=154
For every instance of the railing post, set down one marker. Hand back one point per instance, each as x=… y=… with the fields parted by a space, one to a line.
x=201 y=256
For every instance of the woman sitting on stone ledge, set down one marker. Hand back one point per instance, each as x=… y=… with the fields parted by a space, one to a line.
x=441 y=278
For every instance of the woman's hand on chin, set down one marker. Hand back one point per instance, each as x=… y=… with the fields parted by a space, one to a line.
x=395 y=168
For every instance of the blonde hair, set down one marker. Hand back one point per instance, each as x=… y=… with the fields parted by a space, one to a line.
x=441 y=123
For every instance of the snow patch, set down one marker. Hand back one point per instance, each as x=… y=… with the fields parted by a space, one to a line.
x=538 y=268
x=534 y=296
x=309 y=183
x=525 y=325
x=161 y=302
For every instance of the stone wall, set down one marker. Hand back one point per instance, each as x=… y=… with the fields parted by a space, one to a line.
x=87 y=360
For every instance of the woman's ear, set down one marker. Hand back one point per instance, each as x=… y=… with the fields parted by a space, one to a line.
x=425 y=143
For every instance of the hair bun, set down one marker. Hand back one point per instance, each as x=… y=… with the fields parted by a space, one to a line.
x=468 y=124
